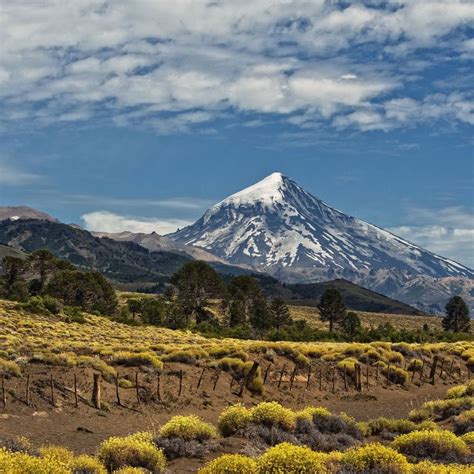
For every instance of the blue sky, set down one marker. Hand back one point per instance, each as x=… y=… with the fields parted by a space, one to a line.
x=140 y=114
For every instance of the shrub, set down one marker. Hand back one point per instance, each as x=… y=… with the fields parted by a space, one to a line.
x=273 y=414
x=396 y=375
x=468 y=438
x=428 y=467
x=10 y=367
x=399 y=426
x=461 y=391
x=22 y=463
x=349 y=364
x=374 y=458
x=84 y=464
x=464 y=422
x=135 y=450
x=137 y=358
x=414 y=365
x=442 y=409
x=181 y=448
x=309 y=413
x=233 y=419
x=289 y=459
x=438 y=445
x=188 y=427
x=230 y=464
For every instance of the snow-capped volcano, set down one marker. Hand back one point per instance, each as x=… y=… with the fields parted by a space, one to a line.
x=278 y=227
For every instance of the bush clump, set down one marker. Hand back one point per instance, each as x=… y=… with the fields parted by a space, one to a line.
x=135 y=450
x=230 y=464
x=85 y=464
x=373 y=458
x=464 y=422
x=233 y=419
x=273 y=414
x=439 y=445
x=188 y=427
x=290 y=459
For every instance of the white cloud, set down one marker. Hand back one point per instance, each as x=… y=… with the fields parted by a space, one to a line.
x=175 y=65
x=104 y=221
x=448 y=232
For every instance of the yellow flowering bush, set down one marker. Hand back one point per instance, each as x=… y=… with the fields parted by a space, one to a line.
x=10 y=367
x=87 y=464
x=374 y=457
x=425 y=444
x=230 y=464
x=234 y=418
x=468 y=438
x=134 y=451
x=308 y=413
x=401 y=426
x=428 y=467
x=272 y=413
x=188 y=427
x=287 y=458
x=137 y=358
x=22 y=463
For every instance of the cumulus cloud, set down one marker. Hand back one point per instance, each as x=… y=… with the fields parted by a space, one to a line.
x=176 y=65
x=448 y=231
x=104 y=221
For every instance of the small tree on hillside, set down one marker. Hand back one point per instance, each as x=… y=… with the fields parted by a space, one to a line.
x=280 y=313
x=350 y=324
x=260 y=315
x=236 y=313
x=13 y=268
x=457 y=316
x=195 y=283
x=44 y=263
x=331 y=307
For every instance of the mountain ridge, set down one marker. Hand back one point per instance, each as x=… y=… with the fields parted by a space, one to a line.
x=277 y=227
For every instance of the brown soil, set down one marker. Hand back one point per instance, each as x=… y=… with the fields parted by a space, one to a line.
x=83 y=428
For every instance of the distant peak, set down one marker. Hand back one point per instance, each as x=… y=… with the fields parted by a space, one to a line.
x=267 y=190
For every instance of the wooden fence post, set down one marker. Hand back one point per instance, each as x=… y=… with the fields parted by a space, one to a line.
x=250 y=375
x=180 y=382
x=96 y=391
x=377 y=374
x=117 y=392
x=292 y=378
x=200 y=378
x=281 y=375
x=441 y=368
x=158 y=386
x=433 y=369
x=388 y=375
x=28 y=389
x=267 y=371
x=76 y=400
x=367 y=373
x=309 y=376
x=137 y=388
x=422 y=370
x=358 y=381
x=51 y=385
x=4 y=392
x=218 y=374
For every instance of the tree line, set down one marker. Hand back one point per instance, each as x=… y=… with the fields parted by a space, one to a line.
x=198 y=298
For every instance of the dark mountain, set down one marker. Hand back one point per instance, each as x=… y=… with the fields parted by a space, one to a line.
x=355 y=297
x=24 y=212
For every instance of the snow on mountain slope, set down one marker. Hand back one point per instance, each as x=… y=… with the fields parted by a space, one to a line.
x=278 y=227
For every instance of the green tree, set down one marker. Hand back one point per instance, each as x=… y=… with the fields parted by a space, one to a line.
x=457 y=316
x=331 y=307
x=280 y=313
x=350 y=324
x=195 y=283
x=153 y=311
x=44 y=263
x=135 y=306
x=88 y=290
x=236 y=313
x=245 y=291
x=260 y=315
x=13 y=269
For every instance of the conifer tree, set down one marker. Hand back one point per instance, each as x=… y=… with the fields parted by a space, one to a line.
x=457 y=316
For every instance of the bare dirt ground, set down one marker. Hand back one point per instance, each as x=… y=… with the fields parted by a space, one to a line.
x=82 y=428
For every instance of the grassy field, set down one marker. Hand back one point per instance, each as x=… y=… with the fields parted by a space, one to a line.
x=159 y=373
x=399 y=321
